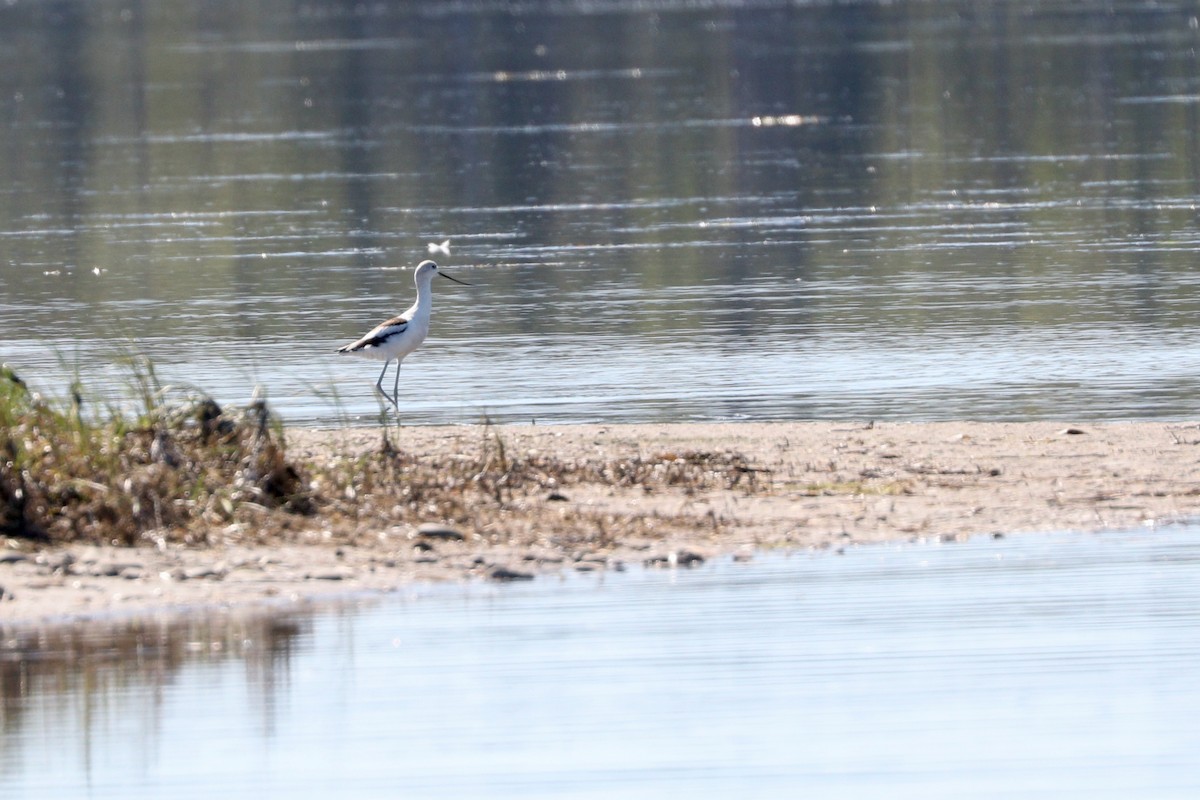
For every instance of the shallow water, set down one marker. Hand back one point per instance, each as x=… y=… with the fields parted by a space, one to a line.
x=671 y=210
x=1033 y=666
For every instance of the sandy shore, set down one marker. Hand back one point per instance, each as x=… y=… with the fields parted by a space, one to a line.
x=804 y=485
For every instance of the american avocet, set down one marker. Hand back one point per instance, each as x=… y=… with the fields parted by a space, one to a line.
x=399 y=336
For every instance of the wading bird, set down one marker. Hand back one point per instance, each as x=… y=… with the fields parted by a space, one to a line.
x=399 y=336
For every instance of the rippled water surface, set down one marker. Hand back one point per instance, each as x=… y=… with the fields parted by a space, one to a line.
x=1056 y=666
x=670 y=210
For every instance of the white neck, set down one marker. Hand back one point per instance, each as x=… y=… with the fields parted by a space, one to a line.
x=424 y=299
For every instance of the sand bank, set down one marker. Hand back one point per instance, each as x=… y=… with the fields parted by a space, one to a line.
x=773 y=485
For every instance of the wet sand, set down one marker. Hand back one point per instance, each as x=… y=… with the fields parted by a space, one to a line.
x=805 y=485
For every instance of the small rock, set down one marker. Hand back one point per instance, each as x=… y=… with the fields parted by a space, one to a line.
x=432 y=530
x=198 y=573
x=112 y=569
x=506 y=574
x=56 y=563
x=13 y=558
x=331 y=575
x=556 y=497
x=1072 y=431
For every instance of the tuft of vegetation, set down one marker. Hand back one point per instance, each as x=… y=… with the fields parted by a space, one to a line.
x=171 y=471
x=480 y=489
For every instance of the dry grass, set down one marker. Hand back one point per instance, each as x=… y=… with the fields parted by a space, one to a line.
x=182 y=471
x=506 y=497
x=172 y=470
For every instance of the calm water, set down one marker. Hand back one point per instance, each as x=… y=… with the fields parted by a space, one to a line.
x=671 y=210
x=1057 y=666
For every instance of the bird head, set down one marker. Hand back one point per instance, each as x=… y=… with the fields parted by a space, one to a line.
x=427 y=269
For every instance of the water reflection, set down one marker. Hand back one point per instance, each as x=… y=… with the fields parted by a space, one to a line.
x=1053 y=664
x=97 y=684
x=232 y=188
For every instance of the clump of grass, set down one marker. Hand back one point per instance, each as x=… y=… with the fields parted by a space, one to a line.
x=170 y=471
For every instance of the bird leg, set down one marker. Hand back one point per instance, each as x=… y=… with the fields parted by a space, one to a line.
x=396 y=385
x=379 y=383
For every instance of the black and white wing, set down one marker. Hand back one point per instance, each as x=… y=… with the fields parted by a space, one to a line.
x=378 y=336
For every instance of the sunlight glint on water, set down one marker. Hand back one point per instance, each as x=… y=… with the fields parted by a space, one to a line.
x=760 y=211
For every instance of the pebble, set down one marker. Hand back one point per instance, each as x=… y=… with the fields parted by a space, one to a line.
x=60 y=563
x=113 y=569
x=506 y=574
x=432 y=530
x=196 y=573
x=331 y=575
x=13 y=558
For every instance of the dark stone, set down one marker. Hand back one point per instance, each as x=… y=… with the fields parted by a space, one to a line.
x=200 y=573
x=506 y=574
x=432 y=530
x=326 y=576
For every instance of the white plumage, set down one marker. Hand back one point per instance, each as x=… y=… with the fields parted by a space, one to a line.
x=397 y=337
